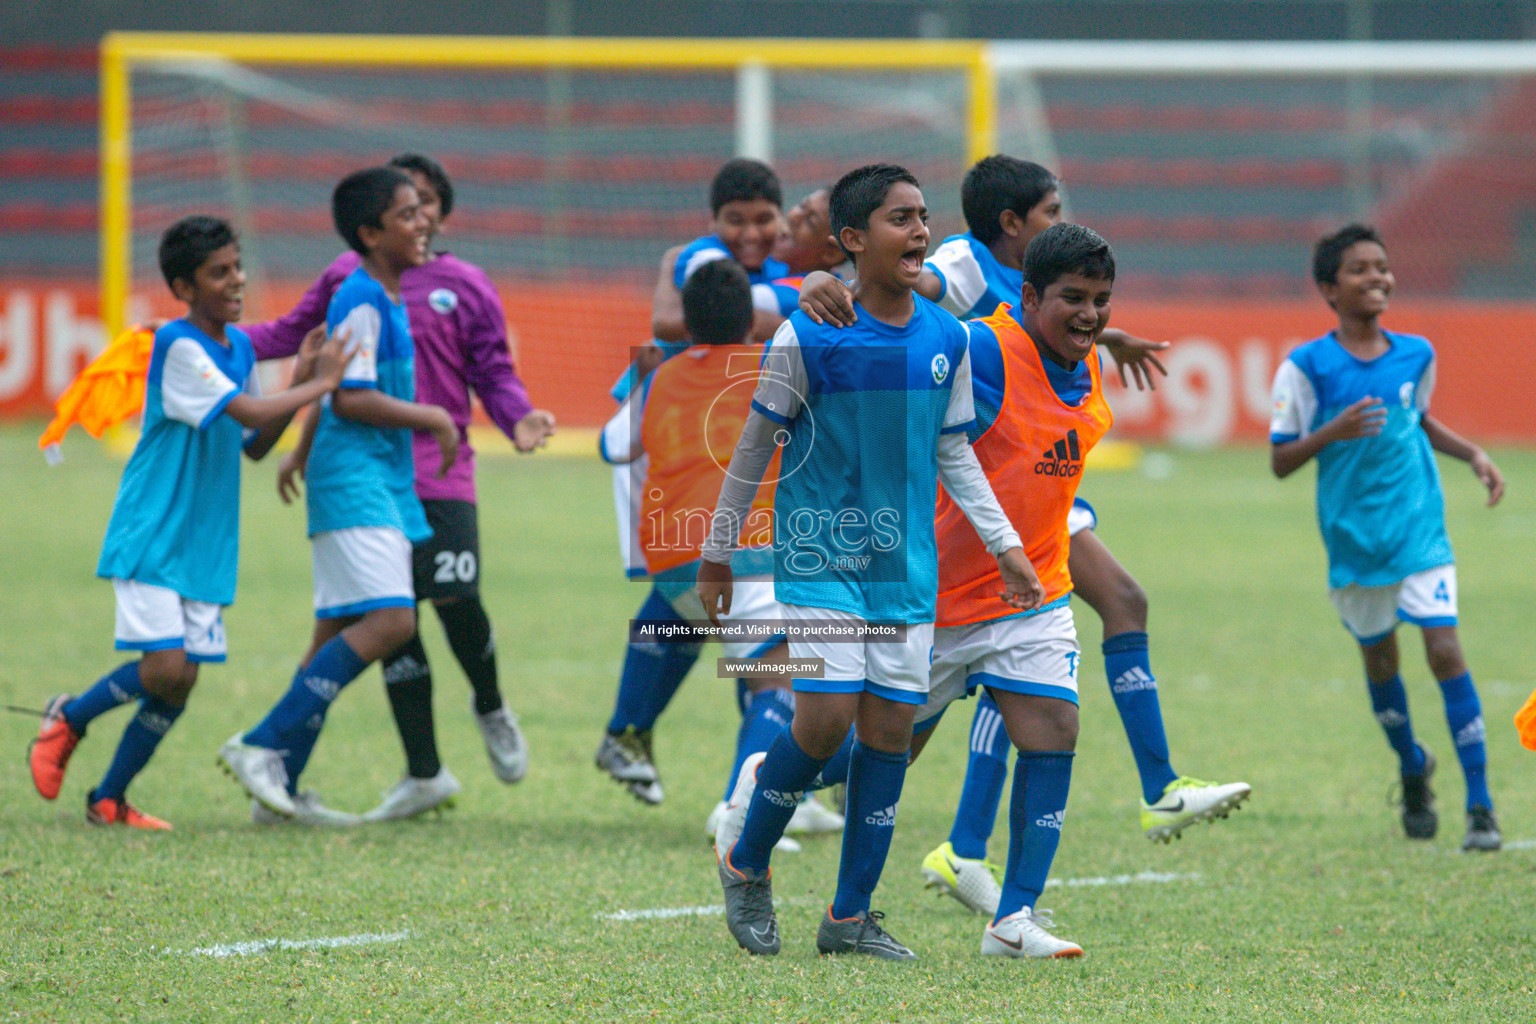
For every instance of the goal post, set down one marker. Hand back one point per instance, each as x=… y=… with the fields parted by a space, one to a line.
x=750 y=61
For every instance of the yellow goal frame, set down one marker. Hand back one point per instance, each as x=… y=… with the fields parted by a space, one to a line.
x=120 y=51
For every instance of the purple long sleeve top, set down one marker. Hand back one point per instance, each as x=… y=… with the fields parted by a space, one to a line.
x=459 y=330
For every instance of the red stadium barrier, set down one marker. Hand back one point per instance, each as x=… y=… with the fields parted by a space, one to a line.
x=570 y=349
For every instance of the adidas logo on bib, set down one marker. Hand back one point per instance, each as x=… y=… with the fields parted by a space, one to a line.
x=1064 y=458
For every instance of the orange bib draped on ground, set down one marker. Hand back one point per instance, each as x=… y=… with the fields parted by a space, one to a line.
x=1033 y=457
x=693 y=417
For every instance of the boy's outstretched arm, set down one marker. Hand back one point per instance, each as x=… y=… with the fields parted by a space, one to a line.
x=667 y=301
x=1446 y=441
x=1363 y=419
x=376 y=409
x=321 y=364
x=1135 y=354
x=962 y=476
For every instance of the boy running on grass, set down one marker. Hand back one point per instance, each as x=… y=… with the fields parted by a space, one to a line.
x=1357 y=400
x=363 y=511
x=871 y=417
x=173 y=540
x=459 y=333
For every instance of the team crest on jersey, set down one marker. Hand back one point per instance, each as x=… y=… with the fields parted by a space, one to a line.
x=940 y=368
x=443 y=300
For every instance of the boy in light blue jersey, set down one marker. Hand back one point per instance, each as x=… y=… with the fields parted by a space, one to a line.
x=364 y=514
x=870 y=418
x=172 y=544
x=1357 y=399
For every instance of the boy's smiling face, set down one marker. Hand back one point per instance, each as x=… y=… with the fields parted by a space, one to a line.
x=402 y=240
x=1068 y=319
x=431 y=203
x=808 y=244
x=892 y=248
x=749 y=228
x=1363 y=285
x=216 y=293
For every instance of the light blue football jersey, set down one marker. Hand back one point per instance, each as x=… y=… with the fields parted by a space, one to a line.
x=862 y=409
x=176 y=520
x=360 y=475
x=974 y=282
x=1379 y=502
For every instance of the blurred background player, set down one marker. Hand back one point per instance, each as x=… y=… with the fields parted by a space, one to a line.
x=362 y=506
x=1357 y=399
x=459 y=333
x=1007 y=202
x=691 y=413
x=172 y=543
x=903 y=371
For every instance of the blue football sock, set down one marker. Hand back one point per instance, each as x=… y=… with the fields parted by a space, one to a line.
x=874 y=790
x=1464 y=713
x=314 y=686
x=652 y=672
x=986 y=769
x=1035 y=815
x=836 y=770
x=1389 y=702
x=782 y=779
x=766 y=716
x=117 y=687
x=143 y=735
x=1129 y=669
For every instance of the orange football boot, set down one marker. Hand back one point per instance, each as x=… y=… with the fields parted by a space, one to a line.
x=49 y=753
x=108 y=811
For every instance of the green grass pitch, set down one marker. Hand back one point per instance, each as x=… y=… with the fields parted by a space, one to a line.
x=1306 y=906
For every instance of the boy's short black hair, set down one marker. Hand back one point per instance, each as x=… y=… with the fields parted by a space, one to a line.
x=1063 y=249
x=999 y=183
x=717 y=303
x=432 y=171
x=189 y=242
x=1328 y=253
x=742 y=179
x=860 y=193
x=361 y=199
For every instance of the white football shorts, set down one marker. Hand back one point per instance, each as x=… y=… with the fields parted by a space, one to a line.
x=151 y=618
x=1030 y=654
x=1081 y=517
x=751 y=598
x=895 y=670
x=1426 y=598
x=361 y=568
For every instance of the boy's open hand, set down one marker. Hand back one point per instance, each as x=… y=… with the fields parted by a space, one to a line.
x=289 y=472
x=533 y=430
x=1363 y=419
x=331 y=355
x=1136 y=355
x=715 y=583
x=1021 y=587
x=1489 y=474
x=826 y=300
x=446 y=434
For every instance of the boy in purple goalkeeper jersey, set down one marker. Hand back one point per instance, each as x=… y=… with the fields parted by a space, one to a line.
x=459 y=331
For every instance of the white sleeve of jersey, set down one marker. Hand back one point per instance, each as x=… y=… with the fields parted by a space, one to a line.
x=702 y=257
x=363 y=324
x=1425 y=388
x=765 y=299
x=1295 y=403
x=964 y=284
x=192 y=387
x=781 y=381
x=619 y=442
x=961 y=412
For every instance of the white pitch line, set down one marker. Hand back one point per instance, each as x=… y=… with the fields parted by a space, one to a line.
x=1140 y=878
x=715 y=909
x=1521 y=844
x=268 y=945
